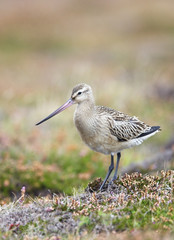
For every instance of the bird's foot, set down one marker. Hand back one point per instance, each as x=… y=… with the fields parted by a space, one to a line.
x=112 y=181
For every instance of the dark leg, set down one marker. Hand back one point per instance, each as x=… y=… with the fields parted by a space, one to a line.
x=116 y=169
x=111 y=167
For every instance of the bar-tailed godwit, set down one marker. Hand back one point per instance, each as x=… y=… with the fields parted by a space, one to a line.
x=103 y=129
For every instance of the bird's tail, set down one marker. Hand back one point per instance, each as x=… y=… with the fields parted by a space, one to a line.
x=151 y=132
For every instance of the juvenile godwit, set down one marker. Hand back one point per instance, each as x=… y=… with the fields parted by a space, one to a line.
x=103 y=129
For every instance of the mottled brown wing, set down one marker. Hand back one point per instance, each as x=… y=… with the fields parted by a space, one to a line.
x=123 y=126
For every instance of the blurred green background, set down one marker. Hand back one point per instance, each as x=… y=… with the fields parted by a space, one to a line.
x=123 y=49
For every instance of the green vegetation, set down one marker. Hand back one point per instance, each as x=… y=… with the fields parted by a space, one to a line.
x=57 y=173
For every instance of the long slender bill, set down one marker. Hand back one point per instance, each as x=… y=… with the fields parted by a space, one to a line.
x=60 y=109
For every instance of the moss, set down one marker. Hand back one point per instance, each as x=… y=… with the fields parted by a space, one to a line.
x=86 y=223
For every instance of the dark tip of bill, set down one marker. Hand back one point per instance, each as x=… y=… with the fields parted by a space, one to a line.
x=39 y=122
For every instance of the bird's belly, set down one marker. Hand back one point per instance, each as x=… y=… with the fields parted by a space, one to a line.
x=107 y=144
x=95 y=144
x=99 y=141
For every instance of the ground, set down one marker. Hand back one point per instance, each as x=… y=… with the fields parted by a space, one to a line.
x=132 y=203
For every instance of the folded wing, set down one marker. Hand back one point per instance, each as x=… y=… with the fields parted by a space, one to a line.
x=125 y=127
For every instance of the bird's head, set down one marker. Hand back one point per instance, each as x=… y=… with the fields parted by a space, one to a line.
x=82 y=92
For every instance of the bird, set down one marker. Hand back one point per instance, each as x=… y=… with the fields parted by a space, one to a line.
x=104 y=129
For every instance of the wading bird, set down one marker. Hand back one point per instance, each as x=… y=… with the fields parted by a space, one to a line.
x=103 y=129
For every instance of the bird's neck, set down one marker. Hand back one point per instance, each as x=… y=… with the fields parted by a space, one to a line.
x=84 y=117
x=85 y=108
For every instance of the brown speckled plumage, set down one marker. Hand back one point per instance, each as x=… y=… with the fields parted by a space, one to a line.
x=122 y=125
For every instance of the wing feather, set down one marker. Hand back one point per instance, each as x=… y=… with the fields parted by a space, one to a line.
x=123 y=126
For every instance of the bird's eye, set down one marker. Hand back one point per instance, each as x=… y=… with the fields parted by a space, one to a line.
x=79 y=93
